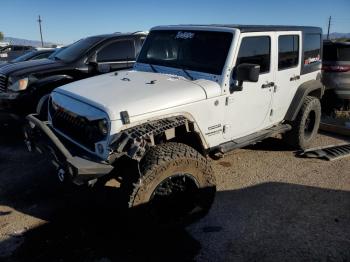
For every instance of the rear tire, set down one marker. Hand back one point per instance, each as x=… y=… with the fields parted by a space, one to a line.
x=305 y=126
x=177 y=185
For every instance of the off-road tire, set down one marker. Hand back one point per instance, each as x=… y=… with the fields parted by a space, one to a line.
x=164 y=163
x=305 y=126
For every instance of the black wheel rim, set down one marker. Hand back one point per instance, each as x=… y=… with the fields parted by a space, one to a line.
x=175 y=198
x=310 y=123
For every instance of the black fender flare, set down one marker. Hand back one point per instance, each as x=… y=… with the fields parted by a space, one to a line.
x=135 y=141
x=311 y=87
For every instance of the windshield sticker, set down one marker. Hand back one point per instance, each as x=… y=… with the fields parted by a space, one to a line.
x=184 y=35
x=312 y=60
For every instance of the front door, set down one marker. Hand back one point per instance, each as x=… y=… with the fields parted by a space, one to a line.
x=248 y=110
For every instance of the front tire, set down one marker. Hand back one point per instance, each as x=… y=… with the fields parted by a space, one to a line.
x=305 y=126
x=177 y=185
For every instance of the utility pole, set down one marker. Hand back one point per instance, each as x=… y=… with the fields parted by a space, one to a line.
x=329 y=26
x=41 y=34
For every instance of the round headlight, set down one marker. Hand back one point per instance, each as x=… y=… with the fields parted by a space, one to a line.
x=103 y=127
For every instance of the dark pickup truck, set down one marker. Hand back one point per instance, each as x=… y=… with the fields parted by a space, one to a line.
x=25 y=86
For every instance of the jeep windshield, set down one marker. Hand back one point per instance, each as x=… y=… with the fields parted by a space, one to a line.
x=77 y=49
x=202 y=51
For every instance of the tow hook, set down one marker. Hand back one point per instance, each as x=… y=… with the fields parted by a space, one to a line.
x=61 y=174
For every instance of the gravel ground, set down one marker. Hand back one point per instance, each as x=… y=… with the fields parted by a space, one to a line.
x=270 y=206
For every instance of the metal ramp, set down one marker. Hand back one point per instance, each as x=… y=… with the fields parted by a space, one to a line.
x=329 y=153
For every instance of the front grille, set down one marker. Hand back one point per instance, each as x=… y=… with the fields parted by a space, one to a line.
x=78 y=128
x=3 y=83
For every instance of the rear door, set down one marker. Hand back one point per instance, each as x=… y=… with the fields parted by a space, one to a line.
x=247 y=111
x=287 y=78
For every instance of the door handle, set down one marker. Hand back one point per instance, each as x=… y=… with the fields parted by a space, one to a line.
x=294 y=78
x=267 y=85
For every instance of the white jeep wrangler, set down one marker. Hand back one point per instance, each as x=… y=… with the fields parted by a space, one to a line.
x=195 y=91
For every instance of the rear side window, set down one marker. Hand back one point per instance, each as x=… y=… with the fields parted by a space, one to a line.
x=288 y=51
x=255 y=50
x=312 y=48
x=117 y=51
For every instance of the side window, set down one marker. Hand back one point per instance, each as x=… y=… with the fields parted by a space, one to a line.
x=117 y=51
x=255 y=50
x=288 y=51
x=312 y=48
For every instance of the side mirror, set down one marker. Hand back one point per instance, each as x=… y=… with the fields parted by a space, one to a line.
x=246 y=72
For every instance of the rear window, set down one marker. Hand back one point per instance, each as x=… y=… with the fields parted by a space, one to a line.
x=333 y=52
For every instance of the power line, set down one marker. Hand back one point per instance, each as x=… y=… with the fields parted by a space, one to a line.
x=41 y=34
x=329 y=25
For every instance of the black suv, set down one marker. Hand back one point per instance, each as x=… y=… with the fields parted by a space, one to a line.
x=25 y=86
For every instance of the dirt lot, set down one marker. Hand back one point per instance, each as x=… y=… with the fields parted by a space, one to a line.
x=270 y=206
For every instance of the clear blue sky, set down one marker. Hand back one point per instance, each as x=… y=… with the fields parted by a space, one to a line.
x=67 y=21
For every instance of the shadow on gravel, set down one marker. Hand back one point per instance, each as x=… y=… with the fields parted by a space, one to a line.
x=86 y=228
x=271 y=144
x=267 y=222
x=336 y=136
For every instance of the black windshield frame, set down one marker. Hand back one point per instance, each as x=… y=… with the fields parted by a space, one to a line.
x=194 y=50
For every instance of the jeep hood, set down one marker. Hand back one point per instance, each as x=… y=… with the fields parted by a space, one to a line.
x=138 y=92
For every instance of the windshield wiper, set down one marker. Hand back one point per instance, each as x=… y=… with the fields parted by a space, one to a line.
x=187 y=74
x=153 y=69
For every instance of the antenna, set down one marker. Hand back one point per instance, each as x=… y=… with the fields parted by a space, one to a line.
x=41 y=34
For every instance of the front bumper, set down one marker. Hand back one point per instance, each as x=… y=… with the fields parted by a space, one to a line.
x=80 y=170
x=12 y=105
